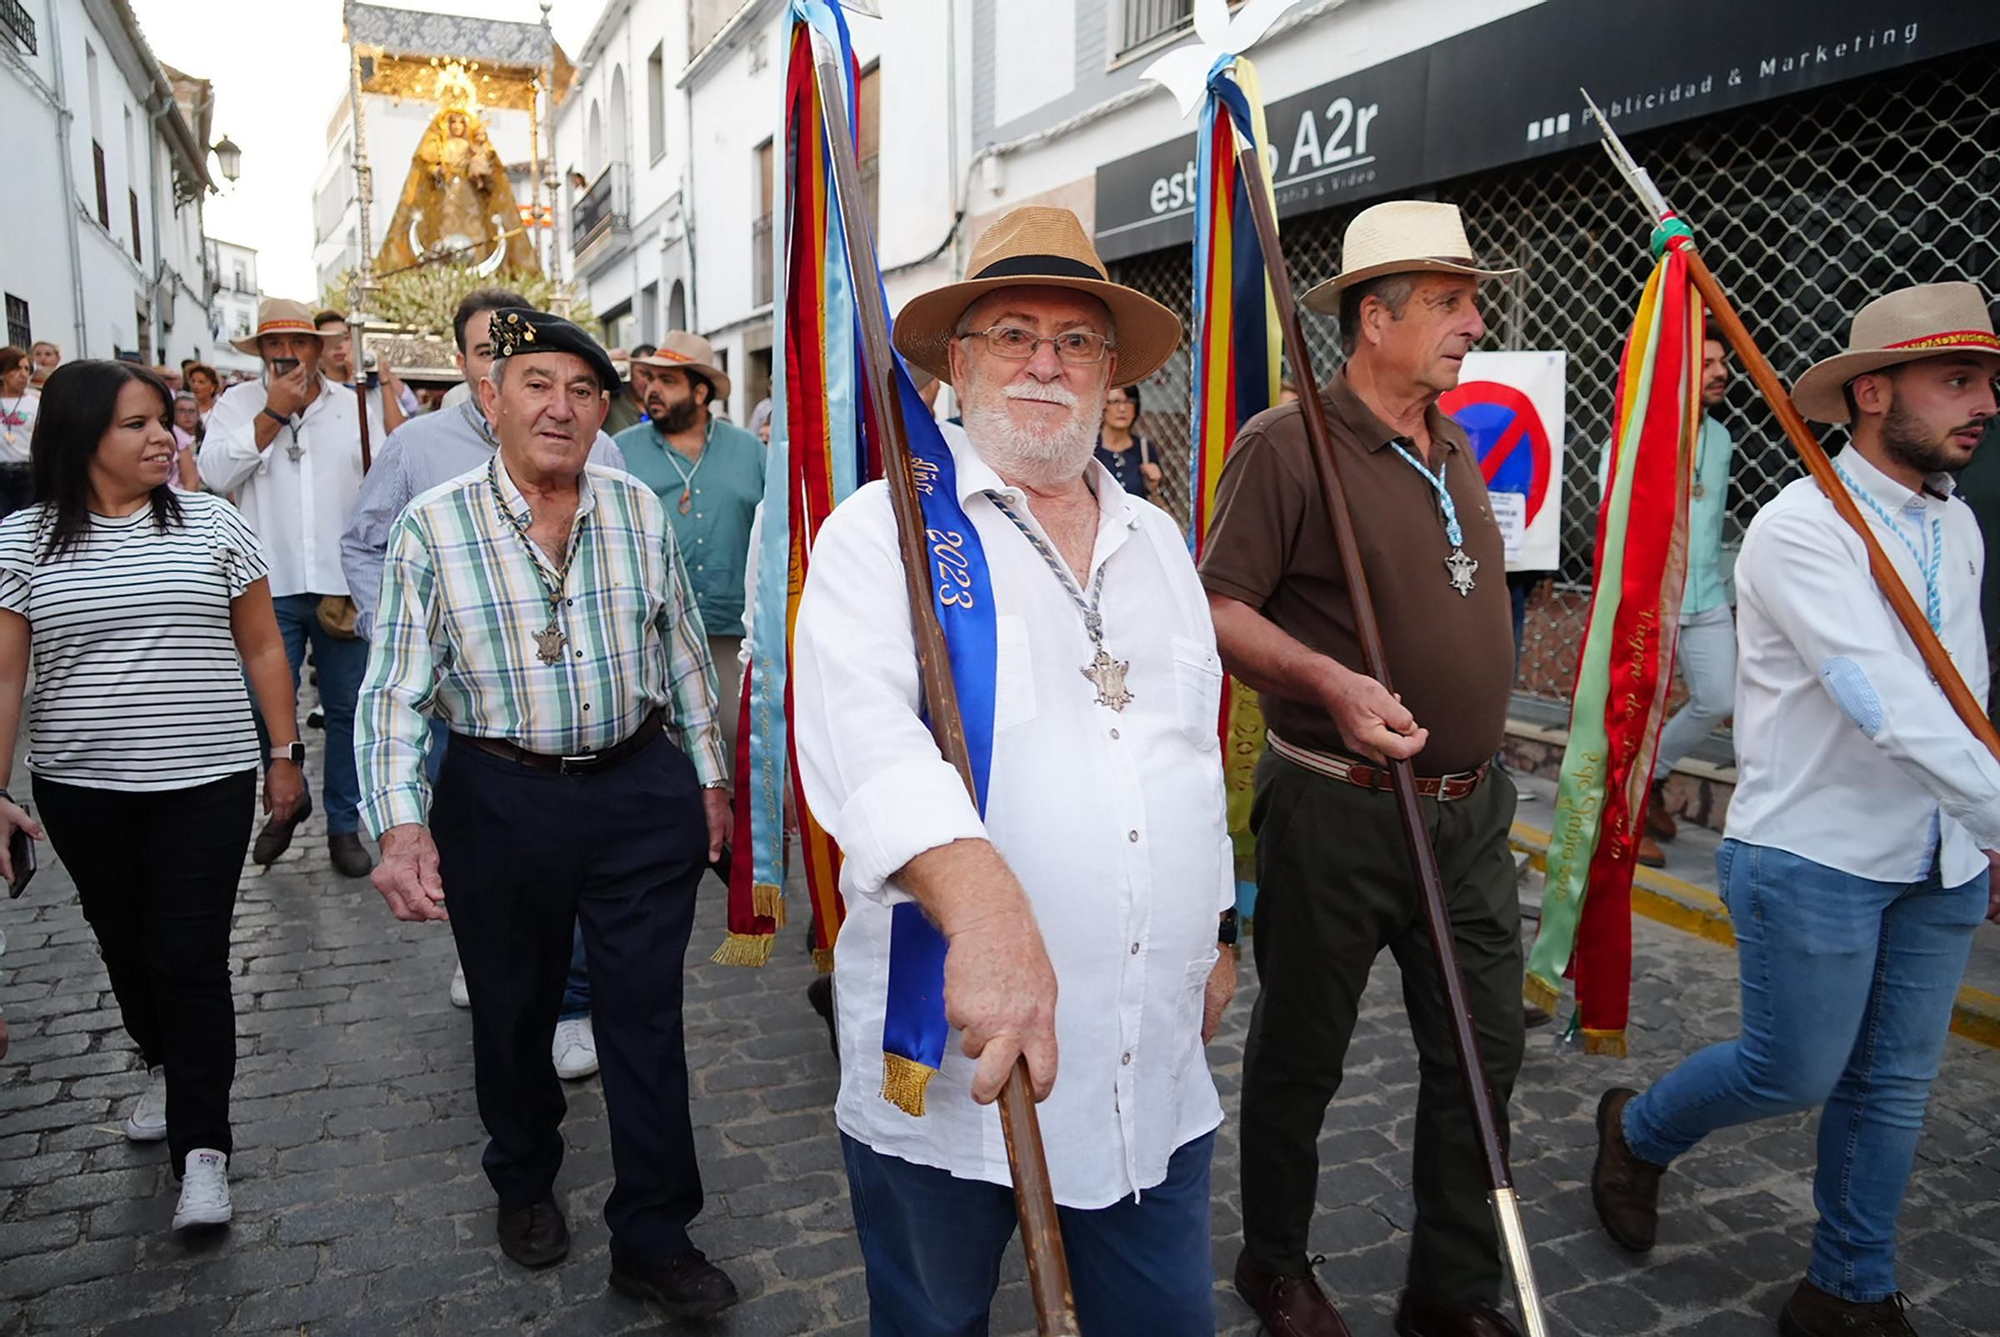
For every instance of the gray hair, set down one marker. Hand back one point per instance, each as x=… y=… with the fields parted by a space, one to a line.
x=1392 y=290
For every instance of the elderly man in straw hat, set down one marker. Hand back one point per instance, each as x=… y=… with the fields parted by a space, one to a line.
x=709 y=474
x=288 y=448
x=1101 y=865
x=1335 y=877
x=1855 y=860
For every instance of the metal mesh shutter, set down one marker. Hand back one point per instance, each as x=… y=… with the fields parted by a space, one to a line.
x=1807 y=206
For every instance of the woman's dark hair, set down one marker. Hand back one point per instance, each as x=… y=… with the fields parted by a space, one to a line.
x=202 y=369
x=1132 y=397
x=10 y=358
x=79 y=405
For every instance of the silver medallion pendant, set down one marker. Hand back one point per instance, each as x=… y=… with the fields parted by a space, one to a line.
x=295 y=452
x=1462 y=569
x=1108 y=676
x=549 y=643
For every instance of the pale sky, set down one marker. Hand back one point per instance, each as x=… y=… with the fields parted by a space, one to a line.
x=279 y=71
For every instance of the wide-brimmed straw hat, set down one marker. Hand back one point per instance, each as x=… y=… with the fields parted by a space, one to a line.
x=1928 y=320
x=680 y=350
x=1401 y=237
x=1039 y=247
x=277 y=315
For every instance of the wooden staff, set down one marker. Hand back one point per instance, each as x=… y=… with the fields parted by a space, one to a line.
x=1811 y=453
x=1034 y=1198
x=1416 y=837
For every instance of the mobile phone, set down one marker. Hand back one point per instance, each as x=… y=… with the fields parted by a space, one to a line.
x=283 y=366
x=21 y=849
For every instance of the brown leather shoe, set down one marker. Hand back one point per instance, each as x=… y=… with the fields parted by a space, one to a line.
x=1420 y=1318
x=1625 y=1189
x=276 y=837
x=1812 y=1312
x=1650 y=855
x=1660 y=823
x=1288 y=1306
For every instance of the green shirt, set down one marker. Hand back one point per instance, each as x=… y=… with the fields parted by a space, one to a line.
x=722 y=488
x=1706 y=509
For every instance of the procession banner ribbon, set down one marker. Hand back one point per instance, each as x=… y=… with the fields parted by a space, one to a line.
x=1237 y=352
x=1623 y=675
x=818 y=455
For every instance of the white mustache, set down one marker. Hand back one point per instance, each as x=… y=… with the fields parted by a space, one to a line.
x=1040 y=393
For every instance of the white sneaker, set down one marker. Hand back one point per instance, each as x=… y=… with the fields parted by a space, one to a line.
x=148 y=1120
x=460 y=995
x=204 y=1190
x=575 y=1049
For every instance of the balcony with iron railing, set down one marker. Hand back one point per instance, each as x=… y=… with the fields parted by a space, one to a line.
x=601 y=217
x=18 y=25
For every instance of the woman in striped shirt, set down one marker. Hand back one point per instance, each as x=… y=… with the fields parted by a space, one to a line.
x=143 y=610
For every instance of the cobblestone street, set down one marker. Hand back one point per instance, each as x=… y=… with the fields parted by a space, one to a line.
x=360 y=1205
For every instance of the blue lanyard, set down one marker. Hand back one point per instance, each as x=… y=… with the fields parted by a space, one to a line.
x=1452 y=533
x=1933 y=600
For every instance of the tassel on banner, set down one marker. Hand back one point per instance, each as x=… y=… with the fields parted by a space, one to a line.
x=744 y=949
x=903 y=1083
x=823 y=960
x=1538 y=993
x=769 y=903
x=1606 y=1044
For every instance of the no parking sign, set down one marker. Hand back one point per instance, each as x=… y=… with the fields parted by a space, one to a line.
x=1511 y=406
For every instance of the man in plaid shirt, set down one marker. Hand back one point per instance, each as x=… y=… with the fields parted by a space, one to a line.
x=537 y=604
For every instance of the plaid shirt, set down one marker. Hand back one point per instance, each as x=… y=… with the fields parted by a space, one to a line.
x=455 y=635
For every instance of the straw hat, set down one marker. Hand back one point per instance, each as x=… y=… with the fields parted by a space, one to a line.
x=1928 y=320
x=1400 y=237
x=277 y=315
x=681 y=351
x=1041 y=247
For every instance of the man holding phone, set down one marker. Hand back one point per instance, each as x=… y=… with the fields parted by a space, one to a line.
x=288 y=446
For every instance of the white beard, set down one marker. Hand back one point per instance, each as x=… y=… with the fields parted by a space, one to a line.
x=1036 y=458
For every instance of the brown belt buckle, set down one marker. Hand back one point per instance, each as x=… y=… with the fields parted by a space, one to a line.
x=576 y=764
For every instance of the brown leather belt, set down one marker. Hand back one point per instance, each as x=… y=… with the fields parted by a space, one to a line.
x=581 y=763
x=1367 y=775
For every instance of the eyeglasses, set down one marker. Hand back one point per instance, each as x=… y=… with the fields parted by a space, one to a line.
x=1076 y=348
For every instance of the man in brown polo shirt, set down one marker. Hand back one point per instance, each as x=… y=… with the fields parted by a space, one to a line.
x=1334 y=877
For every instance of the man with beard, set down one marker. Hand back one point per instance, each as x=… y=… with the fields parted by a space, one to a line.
x=1855 y=860
x=1101 y=863
x=709 y=474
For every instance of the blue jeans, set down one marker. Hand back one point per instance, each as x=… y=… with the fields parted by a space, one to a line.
x=932 y=1245
x=576 y=989
x=1847 y=994
x=341 y=664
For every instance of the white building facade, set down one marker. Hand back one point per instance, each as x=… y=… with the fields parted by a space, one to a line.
x=233 y=312
x=107 y=173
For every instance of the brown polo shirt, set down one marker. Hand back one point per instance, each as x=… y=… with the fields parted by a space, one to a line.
x=1270 y=546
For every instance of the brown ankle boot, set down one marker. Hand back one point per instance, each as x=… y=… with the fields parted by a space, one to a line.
x=1660 y=823
x=1811 y=1312
x=1625 y=1189
x=1649 y=854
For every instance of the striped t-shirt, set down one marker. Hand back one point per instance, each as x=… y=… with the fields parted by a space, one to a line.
x=137 y=684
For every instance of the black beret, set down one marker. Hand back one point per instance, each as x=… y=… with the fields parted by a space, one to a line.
x=520 y=329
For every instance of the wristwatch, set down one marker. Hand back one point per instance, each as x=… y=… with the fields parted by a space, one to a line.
x=292 y=752
x=1225 y=929
x=717 y=784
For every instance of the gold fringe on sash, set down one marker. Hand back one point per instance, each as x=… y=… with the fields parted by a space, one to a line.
x=1541 y=995
x=903 y=1083
x=823 y=960
x=768 y=901
x=744 y=949
x=1610 y=1044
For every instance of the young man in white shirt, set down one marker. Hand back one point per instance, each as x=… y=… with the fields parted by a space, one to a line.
x=1101 y=863
x=1855 y=860
x=288 y=448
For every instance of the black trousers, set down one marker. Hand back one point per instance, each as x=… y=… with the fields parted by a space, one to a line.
x=156 y=874
x=1335 y=887
x=526 y=855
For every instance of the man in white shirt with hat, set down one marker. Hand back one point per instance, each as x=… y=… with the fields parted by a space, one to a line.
x=288 y=447
x=1855 y=858
x=1101 y=863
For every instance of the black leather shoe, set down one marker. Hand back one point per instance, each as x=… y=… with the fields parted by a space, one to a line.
x=820 y=994
x=686 y=1285
x=1419 y=1318
x=534 y=1236
x=276 y=837
x=350 y=857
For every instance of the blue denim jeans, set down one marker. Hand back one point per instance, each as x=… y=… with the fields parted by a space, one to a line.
x=932 y=1246
x=1847 y=994
x=341 y=664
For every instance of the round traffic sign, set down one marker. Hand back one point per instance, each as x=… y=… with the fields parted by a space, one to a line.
x=1507 y=436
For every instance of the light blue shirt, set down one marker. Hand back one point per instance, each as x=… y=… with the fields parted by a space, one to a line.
x=1706 y=588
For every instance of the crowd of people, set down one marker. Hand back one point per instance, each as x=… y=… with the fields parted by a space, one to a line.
x=525 y=610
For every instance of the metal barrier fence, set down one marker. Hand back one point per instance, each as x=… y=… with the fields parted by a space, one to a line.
x=1805 y=208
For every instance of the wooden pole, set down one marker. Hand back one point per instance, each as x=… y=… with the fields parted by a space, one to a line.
x=1034 y=1198
x=1375 y=659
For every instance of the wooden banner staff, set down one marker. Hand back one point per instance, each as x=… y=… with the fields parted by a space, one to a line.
x=364 y=283
x=1811 y=453
x=1375 y=660
x=1034 y=1198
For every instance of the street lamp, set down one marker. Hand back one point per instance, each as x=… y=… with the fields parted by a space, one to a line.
x=228 y=157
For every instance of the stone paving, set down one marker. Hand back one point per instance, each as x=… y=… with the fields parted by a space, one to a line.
x=360 y=1206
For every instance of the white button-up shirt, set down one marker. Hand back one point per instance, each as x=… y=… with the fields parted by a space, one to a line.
x=1847 y=753
x=1113 y=821
x=299 y=508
